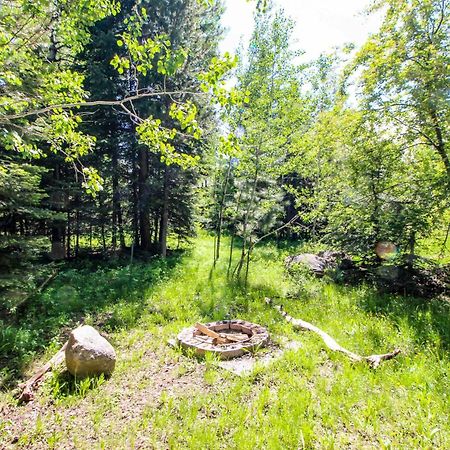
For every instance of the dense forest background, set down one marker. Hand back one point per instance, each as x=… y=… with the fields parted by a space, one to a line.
x=120 y=135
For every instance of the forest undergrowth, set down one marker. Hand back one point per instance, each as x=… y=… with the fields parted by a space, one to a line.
x=159 y=397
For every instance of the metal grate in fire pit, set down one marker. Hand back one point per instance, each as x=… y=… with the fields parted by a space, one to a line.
x=246 y=336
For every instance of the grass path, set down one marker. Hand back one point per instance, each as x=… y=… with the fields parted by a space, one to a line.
x=309 y=398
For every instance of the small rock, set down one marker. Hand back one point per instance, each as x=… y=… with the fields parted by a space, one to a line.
x=88 y=353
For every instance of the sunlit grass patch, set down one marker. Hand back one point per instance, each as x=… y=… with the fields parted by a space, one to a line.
x=310 y=397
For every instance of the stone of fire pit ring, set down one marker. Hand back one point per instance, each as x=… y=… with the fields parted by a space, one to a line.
x=258 y=337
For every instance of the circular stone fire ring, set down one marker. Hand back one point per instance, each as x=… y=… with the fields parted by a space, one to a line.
x=192 y=338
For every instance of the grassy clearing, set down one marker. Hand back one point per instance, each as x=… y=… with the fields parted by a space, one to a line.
x=110 y=294
x=160 y=398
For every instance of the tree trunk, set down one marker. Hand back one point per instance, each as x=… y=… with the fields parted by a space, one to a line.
x=156 y=236
x=58 y=249
x=117 y=207
x=230 y=257
x=135 y=200
x=77 y=229
x=440 y=147
x=163 y=229
x=375 y=216
x=69 y=234
x=444 y=244
x=221 y=207
x=144 y=219
x=102 y=234
x=246 y=218
x=247 y=266
x=114 y=211
x=103 y=237
x=58 y=226
x=103 y=219
x=120 y=227
x=412 y=249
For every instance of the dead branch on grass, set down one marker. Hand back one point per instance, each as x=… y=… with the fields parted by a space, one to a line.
x=373 y=360
x=26 y=389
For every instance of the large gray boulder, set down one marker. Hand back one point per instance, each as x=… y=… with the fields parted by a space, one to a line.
x=88 y=353
x=313 y=262
x=324 y=260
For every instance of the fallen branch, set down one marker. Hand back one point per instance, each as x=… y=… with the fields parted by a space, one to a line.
x=373 y=360
x=38 y=290
x=26 y=388
x=46 y=282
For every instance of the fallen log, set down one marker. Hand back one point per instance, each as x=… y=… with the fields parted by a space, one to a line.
x=373 y=360
x=26 y=389
x=21 y=305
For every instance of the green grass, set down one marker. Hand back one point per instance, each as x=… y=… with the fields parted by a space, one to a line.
x=159 y=397
x=107 y=294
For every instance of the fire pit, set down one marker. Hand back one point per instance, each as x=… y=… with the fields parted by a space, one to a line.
x=226 y=338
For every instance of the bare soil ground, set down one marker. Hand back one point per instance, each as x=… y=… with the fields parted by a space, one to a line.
x=142 y=375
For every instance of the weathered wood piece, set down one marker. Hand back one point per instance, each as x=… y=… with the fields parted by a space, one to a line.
x=373 y=360
x=221 y=338
x=26 y=388
x=205 y=330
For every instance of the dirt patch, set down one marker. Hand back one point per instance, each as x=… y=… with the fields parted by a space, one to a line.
x=247 y=363
x=136 y=385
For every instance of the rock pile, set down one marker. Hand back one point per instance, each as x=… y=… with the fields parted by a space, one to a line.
x=407 y=275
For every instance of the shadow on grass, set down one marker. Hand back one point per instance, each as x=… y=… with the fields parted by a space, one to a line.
x=64 y=385
x=428 y=319
x=107 y=294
